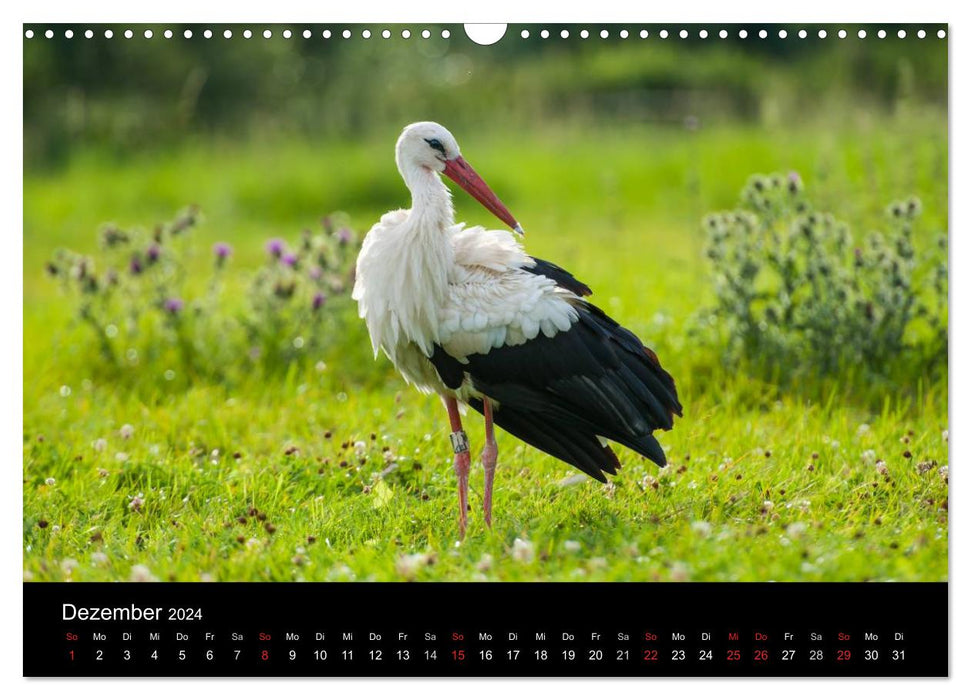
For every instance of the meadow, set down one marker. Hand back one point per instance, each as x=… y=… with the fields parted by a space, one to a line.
x=331 y=469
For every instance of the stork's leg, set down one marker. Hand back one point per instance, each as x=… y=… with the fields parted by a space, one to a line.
x=460 y=445
x=489 y=454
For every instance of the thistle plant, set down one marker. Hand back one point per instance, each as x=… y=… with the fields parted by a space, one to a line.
x=147 y=304
x=134 y=288
x=797 y=294
x=290 y=294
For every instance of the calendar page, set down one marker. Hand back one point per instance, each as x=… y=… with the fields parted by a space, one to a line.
x=591 y=349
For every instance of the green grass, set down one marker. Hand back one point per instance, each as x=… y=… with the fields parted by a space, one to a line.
x=622 y=211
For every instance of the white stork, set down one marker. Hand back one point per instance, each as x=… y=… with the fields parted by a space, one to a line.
x=464 y=312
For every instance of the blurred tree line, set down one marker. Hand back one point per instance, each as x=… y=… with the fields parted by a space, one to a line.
x=121 y=94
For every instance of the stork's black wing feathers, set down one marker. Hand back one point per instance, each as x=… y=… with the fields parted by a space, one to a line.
x=558 y=275
x=449 y=369
x=562 y=394
x=582 y=450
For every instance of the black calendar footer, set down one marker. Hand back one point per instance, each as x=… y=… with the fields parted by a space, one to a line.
x=485 y=629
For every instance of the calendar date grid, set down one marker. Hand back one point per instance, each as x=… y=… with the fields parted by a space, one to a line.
x=331 y=650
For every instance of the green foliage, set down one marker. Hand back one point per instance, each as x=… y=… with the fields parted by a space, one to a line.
x=138 y=95
x=797 y=297
x=145 y=312
x=267 y=483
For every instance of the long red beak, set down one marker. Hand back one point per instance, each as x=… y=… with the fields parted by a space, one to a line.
x=466 y=178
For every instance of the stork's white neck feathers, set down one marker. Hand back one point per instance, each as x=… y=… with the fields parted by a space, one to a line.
x=412 y=257
x=431 y=201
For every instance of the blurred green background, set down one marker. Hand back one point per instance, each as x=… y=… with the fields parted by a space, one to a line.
x=138 y=96
x=610 y=152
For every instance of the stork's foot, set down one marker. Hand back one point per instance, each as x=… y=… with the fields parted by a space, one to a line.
x=462 y=464
x=489 y=455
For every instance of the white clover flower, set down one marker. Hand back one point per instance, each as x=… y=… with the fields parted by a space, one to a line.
x=50 y=481
x=408 y=565
x=796 y=530
x=649 y=482
x=126 y=431
x=701 y=528
x=68 y=565
x=485 y=563
x=342 y=571
x=100 y=445
x=99 y=558
x=141 y=574
x=869 y=457
x=572 y=546
x=121 y=456
x=137 y=502
x=679 y=571
x=522 y=550
x=571 y=480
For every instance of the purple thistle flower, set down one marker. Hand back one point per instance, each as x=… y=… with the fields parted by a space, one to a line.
x=173 y=305
x=794 y=182
x=222 y=251
x=315 y=273
x=344 y=236
x=289 y=259
x=153 y=253
x=135 y=266
x=275 y=247
x=319 y=299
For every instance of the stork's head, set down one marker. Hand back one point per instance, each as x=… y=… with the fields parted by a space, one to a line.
x=431 y=146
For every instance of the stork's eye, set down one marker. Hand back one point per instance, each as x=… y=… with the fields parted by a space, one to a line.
x=436 y=144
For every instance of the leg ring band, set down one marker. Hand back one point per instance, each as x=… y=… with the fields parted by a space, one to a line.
x=460 y=441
